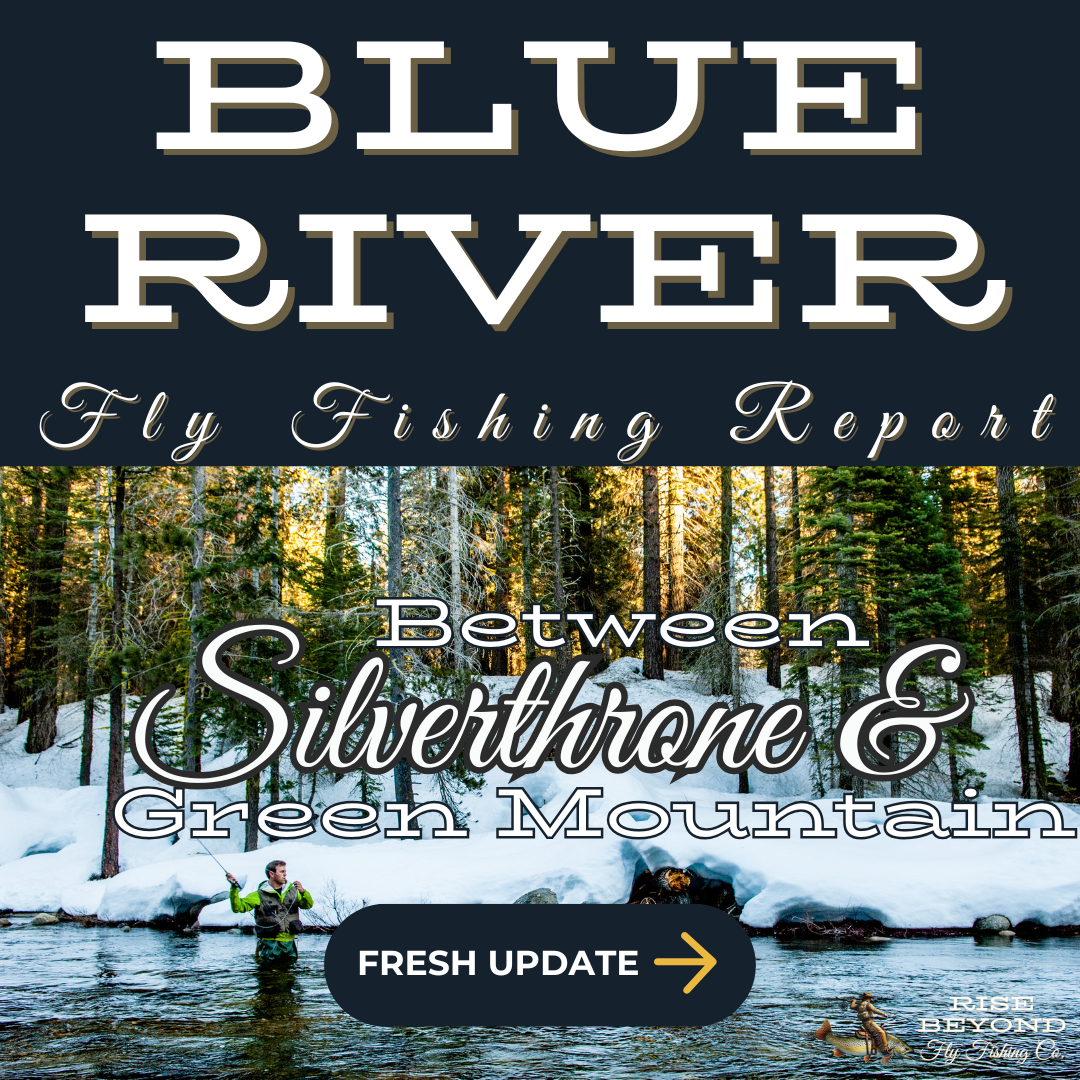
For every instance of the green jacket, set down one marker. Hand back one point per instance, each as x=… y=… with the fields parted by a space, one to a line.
x=252 y=900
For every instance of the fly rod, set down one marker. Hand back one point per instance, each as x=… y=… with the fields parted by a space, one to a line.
x=212 y=856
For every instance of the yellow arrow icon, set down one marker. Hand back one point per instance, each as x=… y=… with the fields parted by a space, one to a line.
x=706 y=962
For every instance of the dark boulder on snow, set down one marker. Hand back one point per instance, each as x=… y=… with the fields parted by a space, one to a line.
x=673 y=885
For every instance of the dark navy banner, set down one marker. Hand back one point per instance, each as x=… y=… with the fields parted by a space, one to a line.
x=357 y=232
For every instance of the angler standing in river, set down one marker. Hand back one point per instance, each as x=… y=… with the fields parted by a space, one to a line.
x=277 y=906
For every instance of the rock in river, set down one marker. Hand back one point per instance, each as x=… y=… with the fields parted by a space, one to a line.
x=991 y=924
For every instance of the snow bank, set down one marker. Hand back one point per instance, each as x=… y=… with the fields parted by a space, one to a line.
x=51 y=841
x=913 y=883
x=38 y=821
x=36 y=882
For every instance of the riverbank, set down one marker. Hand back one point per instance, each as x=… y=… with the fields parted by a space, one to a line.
x=852 y=931
x=905 y=863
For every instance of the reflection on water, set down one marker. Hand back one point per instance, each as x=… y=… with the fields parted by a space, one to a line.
x=101 y=1003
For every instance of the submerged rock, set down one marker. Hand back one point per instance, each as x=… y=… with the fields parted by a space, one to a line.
x=5 y=922
x=991 y=924
x=44 y=919
x=538 y=896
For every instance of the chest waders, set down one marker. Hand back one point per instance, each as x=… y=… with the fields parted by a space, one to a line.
x=277 y=915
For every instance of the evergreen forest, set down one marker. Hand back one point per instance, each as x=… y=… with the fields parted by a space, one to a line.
x=111 y=576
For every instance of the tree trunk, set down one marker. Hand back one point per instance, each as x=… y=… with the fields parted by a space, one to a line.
x=802 y=668
x=652 y=666
x=603 y=587
x=728 y=513
x=500 y=658
x=728 y=653
x=338 y=520
x=727 y=557
x=847 y=602
x=23 y=627
x=87 y=756
x=110 y=852
x=334 y=521
x=456 y=611
x=797 y=571
x=962 y=730
x=676 y=561
x=254 y=783
x=32 y=548
x=192 y=719
x=275 y=600
x=275 y=540
x=886 y=634
x=1063 y=483
x=563 y=653
x=251 y=795
x=403 y=786
x=772 y=579
x=256 y=570
x=1027 y=715
x=47 y=583
x=526 y=560
x=583 y=528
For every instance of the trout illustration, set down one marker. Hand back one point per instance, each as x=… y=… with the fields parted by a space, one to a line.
x=857 y=1044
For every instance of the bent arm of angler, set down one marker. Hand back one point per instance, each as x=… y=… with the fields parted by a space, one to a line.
x=240 y=904
x=304 y=899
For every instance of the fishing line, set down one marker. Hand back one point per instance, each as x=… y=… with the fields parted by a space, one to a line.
x=212 y=856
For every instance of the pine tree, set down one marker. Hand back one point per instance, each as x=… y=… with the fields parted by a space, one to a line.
x=87 y=748
x=838 y=572
x=527 y=594
x=500 y=657
x=192 y=718
x=714 y=664
x=772 y=585
x=1033 y=784
x=46 y=581
x=1063 y=509
x=110 y=853
x=676 y=556
x=950 y=490
x=652 y=666
x=403 y=785
x=557 y=565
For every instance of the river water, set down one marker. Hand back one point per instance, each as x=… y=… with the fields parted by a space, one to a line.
x=107 y=1003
